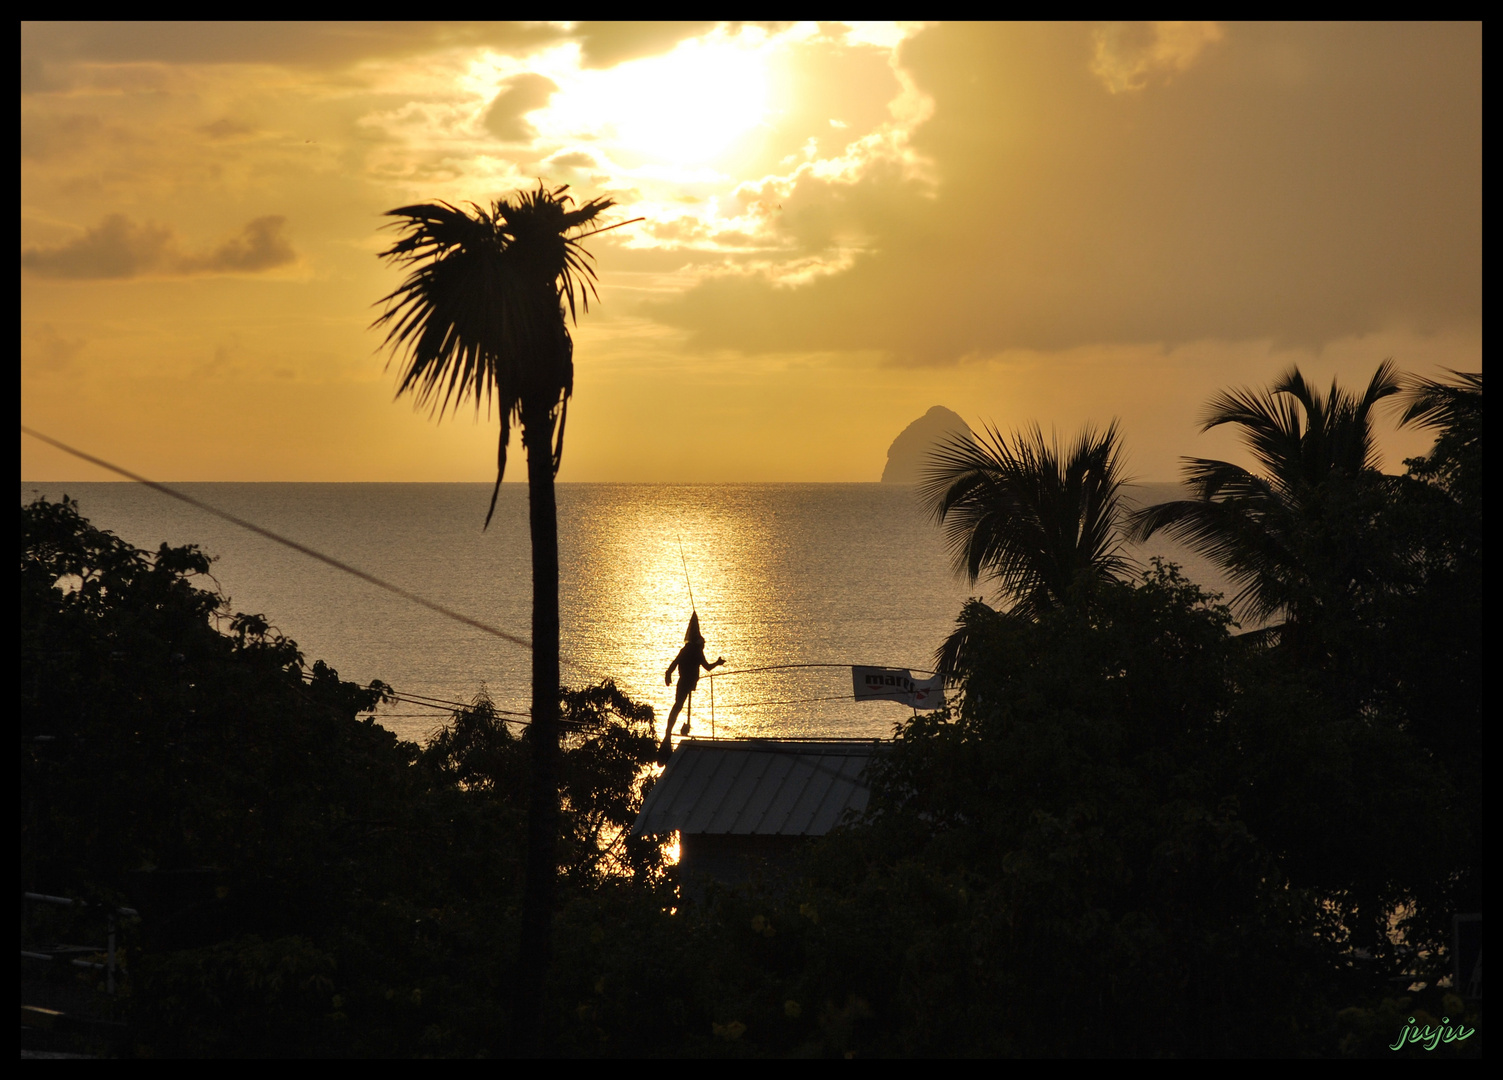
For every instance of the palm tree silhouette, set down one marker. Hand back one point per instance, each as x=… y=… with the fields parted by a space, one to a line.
x=1036 y=519
x=1454 y=409
x=481 y=316
x=1299 y=538
x=1454 y=405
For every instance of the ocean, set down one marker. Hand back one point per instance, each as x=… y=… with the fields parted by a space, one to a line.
x=781 y=574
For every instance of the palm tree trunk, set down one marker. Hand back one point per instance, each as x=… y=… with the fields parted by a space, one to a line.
x=543 y=809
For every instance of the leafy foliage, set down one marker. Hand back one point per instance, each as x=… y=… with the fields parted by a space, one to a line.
x=478 y=317
x=1454 y=409
x=155 y=720
x=1134 y=833
x=1301 y=538
x=359 y=894
x=1379 y=582
x=1028 y=514
x=1086 y=856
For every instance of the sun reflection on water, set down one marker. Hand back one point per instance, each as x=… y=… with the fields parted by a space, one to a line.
x=782 y=574
x=779 y=576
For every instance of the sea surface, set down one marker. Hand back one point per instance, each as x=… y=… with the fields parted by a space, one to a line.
x=781 y=574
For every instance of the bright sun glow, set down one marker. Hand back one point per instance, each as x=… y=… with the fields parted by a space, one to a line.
x=705 y=142
x=680 y=111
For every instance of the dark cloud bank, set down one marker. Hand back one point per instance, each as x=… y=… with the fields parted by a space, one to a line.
x=119 y=248
x=1296 y=183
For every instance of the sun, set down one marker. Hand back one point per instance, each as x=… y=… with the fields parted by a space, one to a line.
x=681 y=111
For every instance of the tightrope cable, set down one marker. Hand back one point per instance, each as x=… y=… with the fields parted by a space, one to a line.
x=422 y=700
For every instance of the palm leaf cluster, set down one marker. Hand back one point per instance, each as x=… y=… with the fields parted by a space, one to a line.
x=480 y=316
x=1295 y=536
x=1446 y=405
x=1454 y=409
x=1032 y=516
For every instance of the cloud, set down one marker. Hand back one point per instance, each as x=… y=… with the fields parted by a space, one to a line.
x=507 y=117
x=604 y=44
x=116 y=248
x=53 y=54
x=52 y=351
x=51 y=51
x=119 y=248
x=261 y=245
x=47 y=48
x=1128 y=56
x=574 y=159
x=1238 y=206
x=227 y=128
x=44 y=137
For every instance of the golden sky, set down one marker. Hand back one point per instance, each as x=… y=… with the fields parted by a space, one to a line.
x=845 y=226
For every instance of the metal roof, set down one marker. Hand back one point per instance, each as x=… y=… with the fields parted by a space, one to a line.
x=757 y=787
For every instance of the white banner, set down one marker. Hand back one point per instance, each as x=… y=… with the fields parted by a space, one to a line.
x=897 y=684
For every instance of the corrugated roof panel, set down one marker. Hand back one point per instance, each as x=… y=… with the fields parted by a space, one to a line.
x=669 y=800
x=717 y=773
x=757 y=787
x=781 y=770
x=752 y=769
x=842 y=796
x=775 y=819
x=822 y=783
x=682 y=787
x=812 y=784
x=723 y=772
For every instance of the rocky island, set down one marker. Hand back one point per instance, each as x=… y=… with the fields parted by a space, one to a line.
x=909 y=452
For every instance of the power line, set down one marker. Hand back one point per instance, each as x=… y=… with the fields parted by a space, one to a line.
x=523 y=717
x=790 y=667
x=794 y=701
x=418 y=699
x=508 y=716
x=371 y=579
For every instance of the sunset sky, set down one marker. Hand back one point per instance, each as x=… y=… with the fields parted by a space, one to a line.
x=845 y=225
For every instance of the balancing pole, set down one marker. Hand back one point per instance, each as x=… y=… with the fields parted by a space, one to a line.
x=687 y=582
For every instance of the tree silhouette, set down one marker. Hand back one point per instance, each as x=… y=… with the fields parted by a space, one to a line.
x=481 y=316
x=1454 y=409
x=1299 y=538
x=1037 y=519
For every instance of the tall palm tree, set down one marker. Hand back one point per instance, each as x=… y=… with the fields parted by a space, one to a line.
x=1299 y=538
x=481 y=316
x=1033 y=517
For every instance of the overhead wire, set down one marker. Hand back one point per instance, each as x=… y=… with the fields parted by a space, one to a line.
x=790 y=667
x=509 y=716
x=791 y=701
x=345 y=567
x=421 y=700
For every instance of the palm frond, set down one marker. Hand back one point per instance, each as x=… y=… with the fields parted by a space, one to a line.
x=1270 y=423
x=1026 y=514
x=1272 y=532
x=1433 y=403
x=1353 y=444
x=1231 y=532
x=480 y=316
x=957 y=653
